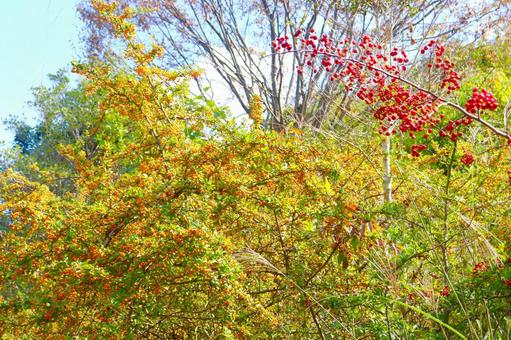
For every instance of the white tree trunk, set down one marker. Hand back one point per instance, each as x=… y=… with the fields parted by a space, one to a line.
x=387 y=175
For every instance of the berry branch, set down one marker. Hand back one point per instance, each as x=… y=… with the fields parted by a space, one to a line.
x=482 y=101
x=362 y=65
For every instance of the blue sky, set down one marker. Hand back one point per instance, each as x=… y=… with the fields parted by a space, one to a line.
x=37 y=37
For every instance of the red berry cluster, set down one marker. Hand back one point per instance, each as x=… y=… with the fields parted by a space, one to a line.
x=467 y=158
x=481 y=100
x=450 y=80
x=480 y=267
x=375 y=75
x=452 y=126
x=428 y=46
x=417 y=149
x=445 y=291
x=483 y=267
x=282 y=43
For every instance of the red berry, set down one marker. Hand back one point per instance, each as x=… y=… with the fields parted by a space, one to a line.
x=467 y=159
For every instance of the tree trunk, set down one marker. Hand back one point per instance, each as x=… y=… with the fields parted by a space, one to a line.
x=387 y=174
